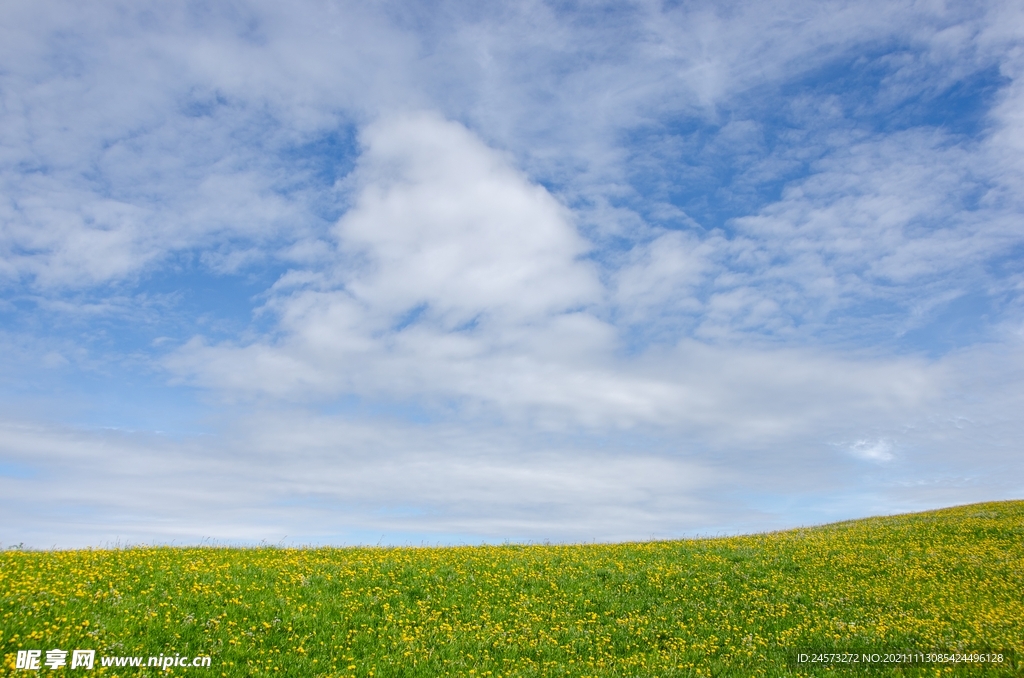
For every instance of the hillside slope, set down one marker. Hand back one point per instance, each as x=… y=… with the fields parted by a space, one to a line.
x=944 y=581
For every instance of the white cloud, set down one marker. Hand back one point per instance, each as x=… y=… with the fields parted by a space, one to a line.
x=872 y=450
x=355 y=482
x=761 y=458
x=446 y=222
x=662 y=277
x=893 y=220
x=448 y=260
x=132 y=133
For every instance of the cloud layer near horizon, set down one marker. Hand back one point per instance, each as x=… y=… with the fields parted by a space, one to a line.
x=525 y=272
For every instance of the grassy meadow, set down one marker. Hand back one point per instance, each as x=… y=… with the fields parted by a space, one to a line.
x=943 y=581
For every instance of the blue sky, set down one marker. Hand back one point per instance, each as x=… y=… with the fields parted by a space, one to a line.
x=447 y=273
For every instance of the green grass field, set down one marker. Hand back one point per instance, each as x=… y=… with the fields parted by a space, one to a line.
x=949 y=581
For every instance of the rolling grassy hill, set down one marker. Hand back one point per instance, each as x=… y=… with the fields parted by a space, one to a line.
x=902 y=587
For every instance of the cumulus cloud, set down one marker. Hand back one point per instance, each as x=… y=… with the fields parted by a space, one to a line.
x=449 y=263
x=446 y=222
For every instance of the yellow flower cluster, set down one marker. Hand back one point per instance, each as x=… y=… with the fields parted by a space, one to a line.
x=944 y=581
